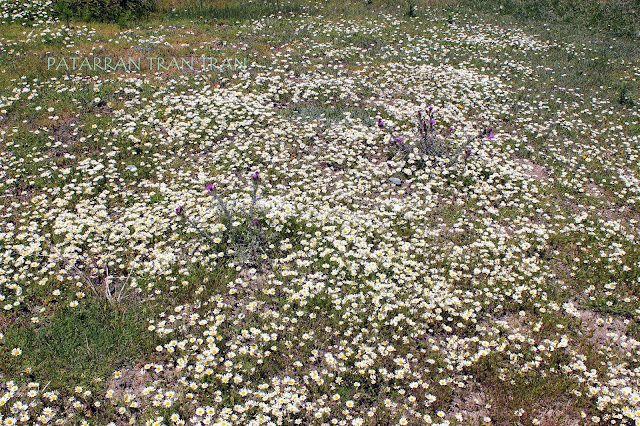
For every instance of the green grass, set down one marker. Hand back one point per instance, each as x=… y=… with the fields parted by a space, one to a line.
x=231 y=11
x=612 y=306
x=76 y=345
x=618 y=17
x=508 y=389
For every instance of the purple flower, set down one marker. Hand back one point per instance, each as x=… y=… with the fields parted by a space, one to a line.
x=209 y=187
x=179 y=210
x=430 y=109
x=380 y=123
x=450 y=128
x=398 y=139
x=491 y=135
x=467 y=152
x=432 y=121
x=254 y=176
x=255 y=222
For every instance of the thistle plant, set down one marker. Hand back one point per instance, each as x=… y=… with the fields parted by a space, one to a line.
x=245 y=239
x=431 y=144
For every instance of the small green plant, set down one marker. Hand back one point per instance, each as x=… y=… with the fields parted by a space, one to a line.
x=611 y=306
x=623 y=97
x=63 y=11
x=411 y=8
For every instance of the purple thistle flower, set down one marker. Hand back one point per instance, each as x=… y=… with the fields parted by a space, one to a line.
x=432 y=121
x=430 y=109
x=179 y=210
x=450 y=129
x=398 y=139
x=254 y=176
x=380 y=123
x=491 y=135
x=209 y=187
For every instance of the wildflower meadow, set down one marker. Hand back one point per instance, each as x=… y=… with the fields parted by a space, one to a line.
x=358 y=212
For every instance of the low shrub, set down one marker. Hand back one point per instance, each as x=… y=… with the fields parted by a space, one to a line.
x=104 y=10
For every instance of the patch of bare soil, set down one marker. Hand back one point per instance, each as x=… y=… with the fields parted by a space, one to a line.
x=605 y=332
x=614 y=211
x=533 y=170
x=473 y=405
x=559 y=413
x=131 y=381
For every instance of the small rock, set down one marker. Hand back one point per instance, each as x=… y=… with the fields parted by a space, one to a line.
x=132 y=168
x=396 y=181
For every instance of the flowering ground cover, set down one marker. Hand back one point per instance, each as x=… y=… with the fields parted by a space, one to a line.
x=360 y=215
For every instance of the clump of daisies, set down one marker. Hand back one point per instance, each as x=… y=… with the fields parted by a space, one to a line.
x=31 y=13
